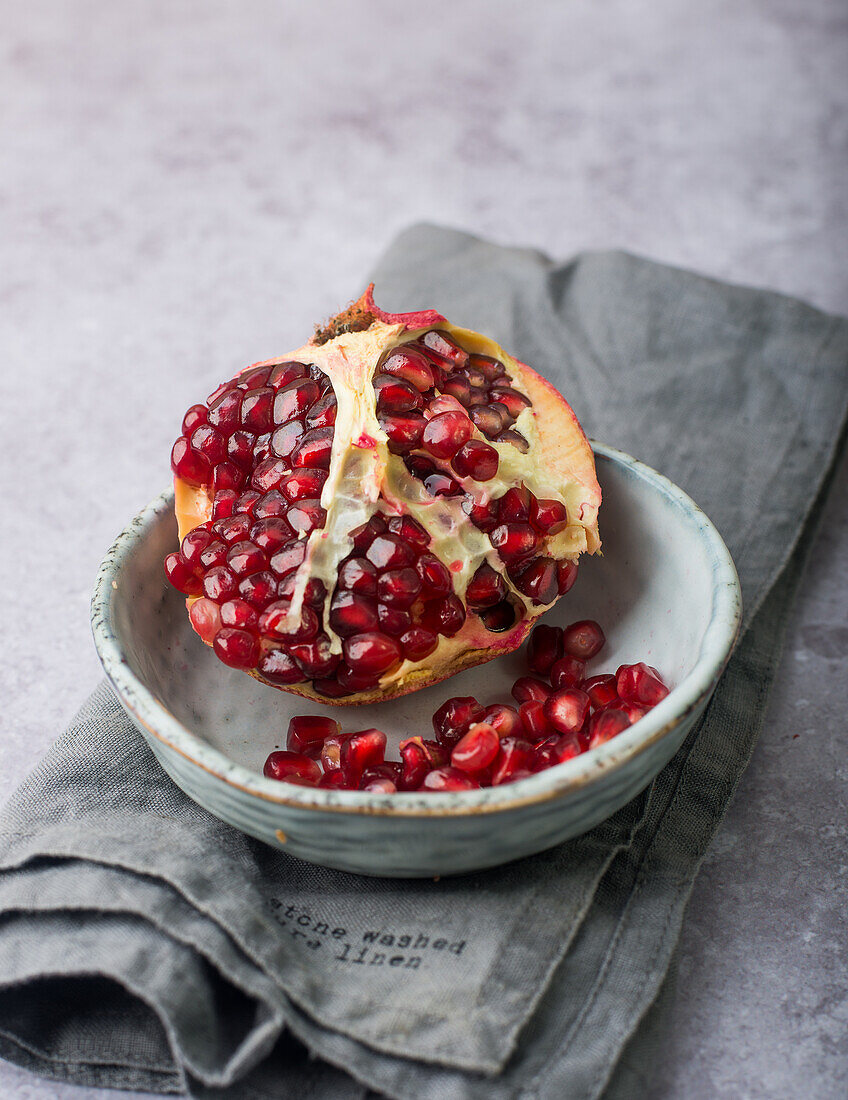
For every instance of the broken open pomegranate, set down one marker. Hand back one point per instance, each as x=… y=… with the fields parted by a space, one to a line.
x=394 y=502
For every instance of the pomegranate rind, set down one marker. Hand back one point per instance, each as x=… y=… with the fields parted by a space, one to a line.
x=560 y=464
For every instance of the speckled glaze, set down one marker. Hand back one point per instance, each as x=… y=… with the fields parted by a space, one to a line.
x=665 y=590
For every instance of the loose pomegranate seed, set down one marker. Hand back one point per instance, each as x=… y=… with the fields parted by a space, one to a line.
x=449 y=779
x=538 y=580
x=275 y=623
x=393 y=621
x=278 y=668
x=358 y=575
x=634 y=711
x=371 y=653
x=306 y=515
x=239 y=613
x=404 y=431
x=418 y=757
x=333 y=780
x=294 y=399
x=389 y=552
x=528 y=689
x=285 y=439
x=476 y=459
x=388 y=769
x=439 y=342
x=331 y=751
x=188 y=464
x=399 y=587
x=606 y=724
x=504 y=720
x=410 y=365
x=205 y=618
x=307 y=732
x=379 y=785
x=583 y=639
x=314 y=449
x=554 y=750
x=352 y=613
x=513 y=757
x=284 y=765
x=566 y=709
x=639 y=684
x=514 y=541
x=455 y=717
x=418 y=643
x=486 y=588
x=601 y=690
x=566 y=575
x=544 y=648
x=220 y=583
x=244 y=558
x=446 y=433
x=236 y=648
x=434 y=574
x=568 y=672
x=476 y=749
x=396 y=396
x=360 y=751
x=534 y=720
x=195 y=416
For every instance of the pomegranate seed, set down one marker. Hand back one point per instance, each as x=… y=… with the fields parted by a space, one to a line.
x=515 y=402
x=399 y=587
x=360 y=751
x=634 y=711
x=410 y=365
x=314 y=449
x=601 y=690
x=214 y=554
x=274 y=622
x=285 y=439
x=498 y=618
x=418 y=643
x=283 y=373
x=404 y=432
x=538 y=581
x=306 y=515
x=554 y=750
x=475 y=378
x=513 y=541
x=479 y=514
x=434 y=574
x=393 y=621
x=258 y=589
x=257 y=409
x=439 y=342
x=459 y=388
x=323 y=413
x=253 y=378
x=418 y=757
x=440 y=485
x=379 y=785
x=514 y=505
x=446 y=433
x=240 y=614
x=476 y=749
x=315 y=659
x=294 y=399
x=371 y=653
x=307 y=732
x=193 y=545
x=548 y=516
x=487 y=420
x=566 y=575
x=224 y=504
x=278 y=668
x=270 y=504
x=476 y=459
x=455 y=717
x=209 y=442
x=409 y=530
x=449 y=779
x=534 y=719
x=527 y=689
x=606 y=724
x=270 y=533
x=516 y=439
x=486 y=588
x=352 y=613
x=288 y=557
x=388 y=769
x=225 y=411
x=490 y=368
x=389 y=552
x=268 y=474
x=444 y=403
x=220 y=584
x=303 y=484
x=245 y=558
x=358 y=575
x=396 y=396
x=445 y=616
x=240 y=447
x=193 y=418
x=333 y=780
x=190 y=466
x=504 y=720
x=236 y=648
x=205 y=618
x=566 y=709
x=226 y=475
x=568 y=672
x=639 y=684
x=352 y=681
x=514 y=756
x=286 y=765
x=544 y=648
x=331 y=751
x=583 y=639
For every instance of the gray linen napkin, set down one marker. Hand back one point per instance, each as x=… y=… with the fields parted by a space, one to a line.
x=143 y=944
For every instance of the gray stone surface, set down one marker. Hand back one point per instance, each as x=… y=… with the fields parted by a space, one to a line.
x=185 y=187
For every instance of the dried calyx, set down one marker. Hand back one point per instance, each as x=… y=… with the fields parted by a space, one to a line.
x=395 y=501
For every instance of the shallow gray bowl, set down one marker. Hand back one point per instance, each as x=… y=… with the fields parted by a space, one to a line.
x=665 y=591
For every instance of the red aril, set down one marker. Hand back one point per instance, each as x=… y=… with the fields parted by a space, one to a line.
x=544 y=648
x=476 y=749
x=449 y=779
x=568 y=672
x=566 y=709
x=308 y=732
x=455 y=717
x=290 y=766
x=640 y=684
x=583 y=639
x=606 y=724
x=527 y=689
x=601 y=690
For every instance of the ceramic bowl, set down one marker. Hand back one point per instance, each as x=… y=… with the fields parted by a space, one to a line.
x=665 y=591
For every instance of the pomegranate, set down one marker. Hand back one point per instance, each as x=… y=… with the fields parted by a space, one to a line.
x=395 y=501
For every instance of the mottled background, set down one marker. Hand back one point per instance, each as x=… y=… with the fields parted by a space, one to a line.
x=185 y=187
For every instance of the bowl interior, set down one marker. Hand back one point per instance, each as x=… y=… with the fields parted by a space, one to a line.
x=654 y=591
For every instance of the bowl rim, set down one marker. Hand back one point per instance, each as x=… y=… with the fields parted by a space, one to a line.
x=685 y=698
